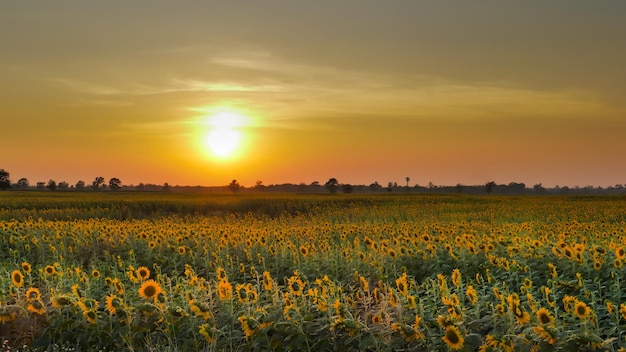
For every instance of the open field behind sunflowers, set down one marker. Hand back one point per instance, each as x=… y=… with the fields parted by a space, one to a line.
x=141 y=272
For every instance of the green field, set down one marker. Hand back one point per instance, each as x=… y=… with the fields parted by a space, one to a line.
x=202 y=271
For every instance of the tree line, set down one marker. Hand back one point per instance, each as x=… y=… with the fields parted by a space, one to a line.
x=332 y=186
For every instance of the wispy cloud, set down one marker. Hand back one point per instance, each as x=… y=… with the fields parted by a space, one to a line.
x=95 y=102
x=337 y=91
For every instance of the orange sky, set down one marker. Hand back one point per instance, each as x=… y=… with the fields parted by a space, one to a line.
x=359 y=90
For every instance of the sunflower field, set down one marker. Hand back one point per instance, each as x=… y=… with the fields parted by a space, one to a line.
x=210 y=272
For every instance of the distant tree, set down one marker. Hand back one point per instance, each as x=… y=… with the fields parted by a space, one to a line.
x=407 y=182
x=389 y=186
x=63 y=185
x=515 y=187
x=259 y=186
x=140 y=187
x=166 y=187
x=375 y=187
x=539 y=188
x=41 y=185
x=22 y=183
x=5 y=181
x=52 y=185
x=459 y=188
x=115 y=184
x=234 y=186
x=98 y=182
x=489 y=186
x=331 y=185
x=80 y=185
x=347 y=188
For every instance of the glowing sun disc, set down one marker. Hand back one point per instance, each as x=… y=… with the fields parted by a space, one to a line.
x=223 y=141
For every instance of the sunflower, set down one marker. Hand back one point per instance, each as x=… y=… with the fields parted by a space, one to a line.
x=471 y=294
x=152 y=244
x=60 y=301
x=200 y=310
x=95 y=273
x=545 y=334
x=150 y=289
x=91 y=316
x=37 y=307
x=377 y=319
x=620 y=253
x=544 y=316
x=17 y=278
x=453 y=338
x=26 y=267
x=609 y=306
x=582 y=310
x=7 y=316
x=456 y=278
x=304 y=250
x=618 y=263
x=245 y=325
x=182 y=250
x=33 y=294
x=597 y=264
x=553 y=271
x=364 y=284
x=119 y=287
x=112 y=304
x=50 y=270
x=401 y=284
x=205 y=331
x=622 y=310
x=295 y=285
x=412 y=301
x=221 y=273
x=143 y=273
x=225 y=290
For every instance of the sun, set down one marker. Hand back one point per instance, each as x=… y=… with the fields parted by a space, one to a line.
x=223 y=141
x=224 y=137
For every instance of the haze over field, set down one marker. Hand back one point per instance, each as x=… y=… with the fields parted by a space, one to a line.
x=202 y=92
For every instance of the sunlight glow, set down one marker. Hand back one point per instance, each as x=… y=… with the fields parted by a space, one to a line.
x=223 y=141
x=224 y=137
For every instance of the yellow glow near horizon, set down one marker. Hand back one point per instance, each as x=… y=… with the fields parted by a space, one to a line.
x=225 y=137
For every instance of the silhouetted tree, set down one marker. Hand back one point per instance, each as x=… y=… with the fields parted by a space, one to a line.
x=98 y=182
x=332 y=185
x=347 y=188
x=63 y=185
x=539 y=188
x=5 y=181
x=41 y=185
x=489 y=186
x=115 y=184
x=459 y=188
x=166 y=187
x=515 y=187
x=23 y=183
x=407 y=182
x=80 y=185
x=375 y=187
x=52 y=185
x=234 y=186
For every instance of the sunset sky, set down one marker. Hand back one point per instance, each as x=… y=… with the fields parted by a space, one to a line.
x=361 y=90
